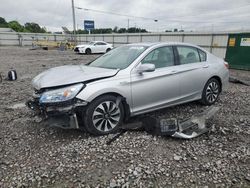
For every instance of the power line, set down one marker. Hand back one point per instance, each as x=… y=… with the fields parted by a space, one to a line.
x=117 y=14
x=156 y=20
x=209 y=13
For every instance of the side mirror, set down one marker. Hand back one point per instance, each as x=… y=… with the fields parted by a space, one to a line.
x=146 y=68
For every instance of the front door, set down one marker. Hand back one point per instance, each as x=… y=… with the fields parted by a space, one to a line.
x=153 y=90
x=100 y=47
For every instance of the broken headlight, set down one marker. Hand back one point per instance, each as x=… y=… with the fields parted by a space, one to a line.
x=60 y=95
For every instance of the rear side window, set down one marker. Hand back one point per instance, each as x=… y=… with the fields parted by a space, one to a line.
x=188 y=55
x=100 y=43
x=203 y=55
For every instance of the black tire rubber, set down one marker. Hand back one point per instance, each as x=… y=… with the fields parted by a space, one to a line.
x=108 y=50
x=12 y=75
x=87 y=115
x=204 y=98
x=88 y=51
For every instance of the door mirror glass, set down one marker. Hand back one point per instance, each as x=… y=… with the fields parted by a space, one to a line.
x=146 y=68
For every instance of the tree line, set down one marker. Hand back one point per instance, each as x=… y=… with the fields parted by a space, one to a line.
x=115 y=30
x=36 y=28
x=29 y=27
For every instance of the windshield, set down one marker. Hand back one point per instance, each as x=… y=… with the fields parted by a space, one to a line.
x=91 y=43
x=119 y=58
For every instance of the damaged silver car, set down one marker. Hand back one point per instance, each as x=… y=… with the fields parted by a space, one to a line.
x=125 y=82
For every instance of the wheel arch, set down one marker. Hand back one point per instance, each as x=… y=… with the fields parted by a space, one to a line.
x=88 y=48
x=218 y=79
x=125 y=105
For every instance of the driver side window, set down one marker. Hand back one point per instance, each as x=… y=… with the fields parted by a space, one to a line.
x=160 y=57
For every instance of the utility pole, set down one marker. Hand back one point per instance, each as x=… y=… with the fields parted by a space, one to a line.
x=74 y=21
x=128 y=23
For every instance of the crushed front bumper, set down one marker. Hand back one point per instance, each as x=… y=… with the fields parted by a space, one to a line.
x=63 y=115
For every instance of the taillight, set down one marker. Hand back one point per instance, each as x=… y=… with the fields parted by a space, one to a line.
x=226 y=65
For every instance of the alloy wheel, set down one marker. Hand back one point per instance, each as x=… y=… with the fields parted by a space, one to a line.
x=212 y=92
x=106 y=116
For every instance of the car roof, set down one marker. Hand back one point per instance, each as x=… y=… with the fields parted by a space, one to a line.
x=98 y=41
x=155 y=44
x=160 y=43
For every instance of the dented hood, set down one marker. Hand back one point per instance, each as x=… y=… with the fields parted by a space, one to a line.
x=70 y=74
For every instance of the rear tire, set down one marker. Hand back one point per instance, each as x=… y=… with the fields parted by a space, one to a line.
x=103 y=116
x=88 y=51
x=211 y=92
x=108 y=50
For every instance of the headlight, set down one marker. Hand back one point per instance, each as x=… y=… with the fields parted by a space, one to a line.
x=60 y=95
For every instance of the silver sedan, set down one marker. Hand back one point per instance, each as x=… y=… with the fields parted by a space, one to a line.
x=128 y=81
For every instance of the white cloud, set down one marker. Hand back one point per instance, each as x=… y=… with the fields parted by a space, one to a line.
x=186 y=14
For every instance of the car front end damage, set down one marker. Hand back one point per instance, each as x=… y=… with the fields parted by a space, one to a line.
x=58 y=107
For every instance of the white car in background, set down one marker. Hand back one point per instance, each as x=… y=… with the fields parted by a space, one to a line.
x=93 y=47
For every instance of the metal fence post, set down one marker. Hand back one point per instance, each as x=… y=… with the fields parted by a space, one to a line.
x=212 y=43
x=183 y=38
x=113 y=38
x=20 y=39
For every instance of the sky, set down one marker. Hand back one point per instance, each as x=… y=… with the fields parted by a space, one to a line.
x=189 y=15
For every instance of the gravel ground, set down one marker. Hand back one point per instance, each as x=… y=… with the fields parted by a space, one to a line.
x=35 y=155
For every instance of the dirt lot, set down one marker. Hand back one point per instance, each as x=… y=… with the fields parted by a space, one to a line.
x=35 y=155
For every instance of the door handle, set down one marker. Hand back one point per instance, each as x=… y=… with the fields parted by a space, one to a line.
x=205 y=66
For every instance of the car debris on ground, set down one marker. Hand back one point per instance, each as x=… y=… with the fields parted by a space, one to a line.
x=12 y=75
x=239 y=81
x=162 y=126
x=187 y=129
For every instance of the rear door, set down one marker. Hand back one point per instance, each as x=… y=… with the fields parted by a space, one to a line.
x=100 y=47
x=193 y=70
x=153 y=90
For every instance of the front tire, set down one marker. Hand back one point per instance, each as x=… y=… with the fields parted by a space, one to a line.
x=103 y=115
x=211 y=92
x=88 y=51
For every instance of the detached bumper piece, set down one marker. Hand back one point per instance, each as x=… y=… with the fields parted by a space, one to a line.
x=62 y=115
x=191 y=128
